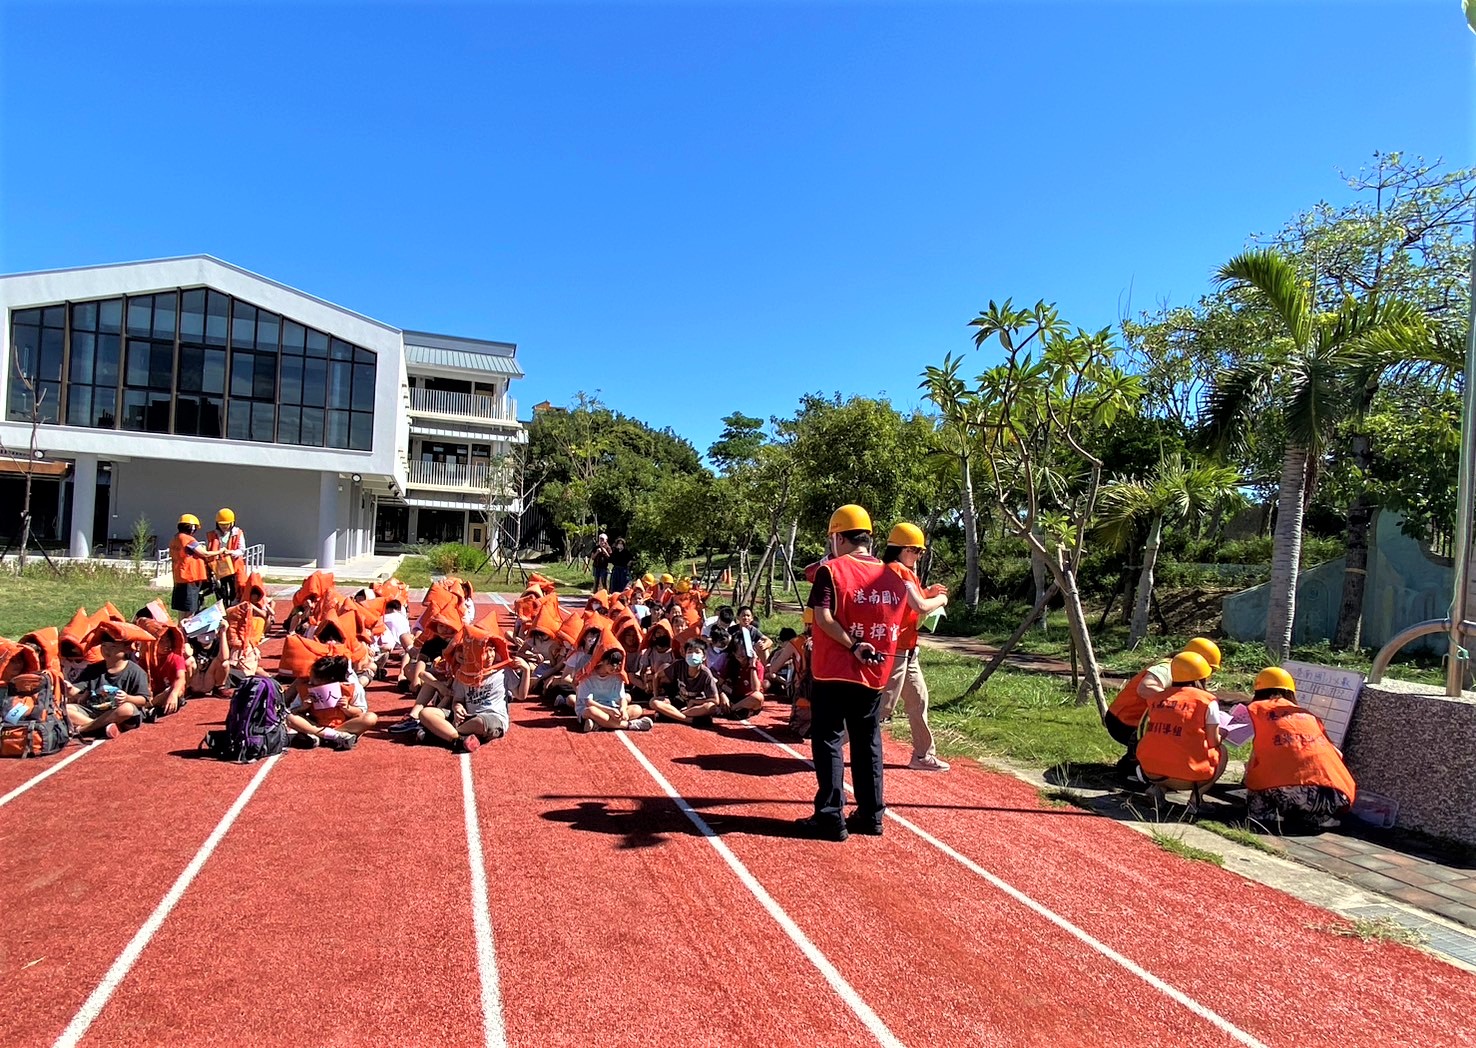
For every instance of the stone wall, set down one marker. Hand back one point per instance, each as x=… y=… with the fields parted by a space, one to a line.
x=1414 y=744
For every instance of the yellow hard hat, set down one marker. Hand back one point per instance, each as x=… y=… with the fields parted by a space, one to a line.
x=684 y=586
x=1188 y=667
x=1206 y=647
x=225 y=516
x=189 y=518
x=667 y=578
x=907 y=535
x=1274 y=677
x=648 y=579
x=850 y=518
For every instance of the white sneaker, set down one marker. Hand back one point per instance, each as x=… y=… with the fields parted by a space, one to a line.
x=928 y=762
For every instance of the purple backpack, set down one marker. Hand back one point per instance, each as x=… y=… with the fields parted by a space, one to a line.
x=253 y=726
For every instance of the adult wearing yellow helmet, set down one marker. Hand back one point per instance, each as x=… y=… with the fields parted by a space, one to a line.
x=1294 y=772
x=229 y=542
x=188 y=559
x=1126 y=712
x=905 y=547
x=1180 y=747
x=858 y=605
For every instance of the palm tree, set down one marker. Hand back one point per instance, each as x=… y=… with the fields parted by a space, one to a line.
x=1311 y=377
x=1176 y=491
x=959 y=409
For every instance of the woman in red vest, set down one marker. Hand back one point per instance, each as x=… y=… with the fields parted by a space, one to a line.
x=1180 y=747
x=1294 y=770
x=858 y=604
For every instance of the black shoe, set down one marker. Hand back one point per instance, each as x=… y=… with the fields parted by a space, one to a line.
x=820 y=829
x=864 y=827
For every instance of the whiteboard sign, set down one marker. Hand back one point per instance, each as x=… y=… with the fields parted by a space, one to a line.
x=1329 y=693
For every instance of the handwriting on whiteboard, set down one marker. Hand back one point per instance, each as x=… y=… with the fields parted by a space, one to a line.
x=1329 y=693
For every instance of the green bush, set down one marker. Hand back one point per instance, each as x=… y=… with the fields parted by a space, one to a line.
x=449 y=558
x=1258 y=550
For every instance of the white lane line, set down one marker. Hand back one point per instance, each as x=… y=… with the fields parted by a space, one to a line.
x=82 y=751
x=93 y=1006
x=845 y=990
x=493 y=1029
x=1152 y=980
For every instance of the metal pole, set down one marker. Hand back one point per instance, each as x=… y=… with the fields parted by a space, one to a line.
x=1455 y=669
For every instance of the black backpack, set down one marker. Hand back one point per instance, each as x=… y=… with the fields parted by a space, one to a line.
x=254 y=725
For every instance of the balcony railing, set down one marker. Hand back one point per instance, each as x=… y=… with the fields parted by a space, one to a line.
x=463 y=405
x=449 y=475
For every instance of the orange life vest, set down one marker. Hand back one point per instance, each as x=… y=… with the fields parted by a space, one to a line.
x=477 y=653
x=1129 y=706
x=1175 y=744
x=235 y=539
x=869 y=601
x=244 y=628
x=187 y=566
x=1292 y=749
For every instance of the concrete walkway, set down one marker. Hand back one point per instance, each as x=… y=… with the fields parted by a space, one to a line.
x=1426 y=885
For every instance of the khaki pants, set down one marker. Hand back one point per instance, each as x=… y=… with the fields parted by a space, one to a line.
x=907 y=685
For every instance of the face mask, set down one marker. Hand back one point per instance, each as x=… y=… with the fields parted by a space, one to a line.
x=695 y=659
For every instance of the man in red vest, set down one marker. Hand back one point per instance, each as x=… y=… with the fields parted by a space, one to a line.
x=858 y=606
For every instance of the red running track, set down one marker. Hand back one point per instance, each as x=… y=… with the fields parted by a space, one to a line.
x=338 y=908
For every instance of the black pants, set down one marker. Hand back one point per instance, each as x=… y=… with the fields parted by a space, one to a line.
x=225 y=590
x=837 y=706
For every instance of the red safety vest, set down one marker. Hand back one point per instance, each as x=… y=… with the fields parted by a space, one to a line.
x=1292 y=749
x=235 y=539
x=869 y=603
x=907 y=639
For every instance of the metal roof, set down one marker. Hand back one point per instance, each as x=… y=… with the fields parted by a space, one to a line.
x=462 y=360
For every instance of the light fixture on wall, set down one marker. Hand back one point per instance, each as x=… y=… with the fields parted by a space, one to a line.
x=357 y=479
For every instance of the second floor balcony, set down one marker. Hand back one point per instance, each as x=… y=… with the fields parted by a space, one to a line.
x=449 y=476
x=480 y=407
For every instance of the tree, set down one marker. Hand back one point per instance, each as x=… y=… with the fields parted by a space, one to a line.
x=1045 y=480
x=1312 y=378
x=960 y=417
x=1177 y=490
x=738 y=443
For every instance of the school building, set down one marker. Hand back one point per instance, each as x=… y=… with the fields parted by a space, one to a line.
x=182 y=385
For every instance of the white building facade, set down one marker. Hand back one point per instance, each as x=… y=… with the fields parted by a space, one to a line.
x=186 y=385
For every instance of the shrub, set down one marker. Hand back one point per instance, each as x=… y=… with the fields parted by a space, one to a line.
x=141 y=546
x=451 y=558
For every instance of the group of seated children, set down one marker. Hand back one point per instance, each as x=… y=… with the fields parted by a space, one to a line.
x=1175 y=734
x=625 y=659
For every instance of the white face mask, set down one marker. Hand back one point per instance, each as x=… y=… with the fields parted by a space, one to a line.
x=695 y=659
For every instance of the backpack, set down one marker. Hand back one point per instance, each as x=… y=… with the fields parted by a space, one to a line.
x=254 y=727
x=32 y=723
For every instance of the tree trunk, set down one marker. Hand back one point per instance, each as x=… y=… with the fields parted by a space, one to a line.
x=970 y=517
x=1038 y=572
x=1091 y=685
x=1139 y=628
x=1355 y=570
x=25 y=538
x=1286 y=553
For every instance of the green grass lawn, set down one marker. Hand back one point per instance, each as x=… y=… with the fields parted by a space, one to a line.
x=40 y=598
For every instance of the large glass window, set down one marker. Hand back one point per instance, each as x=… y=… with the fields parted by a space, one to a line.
x=94 y=363
x=197 y=362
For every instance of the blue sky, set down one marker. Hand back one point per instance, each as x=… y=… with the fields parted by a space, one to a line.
x=699 y=208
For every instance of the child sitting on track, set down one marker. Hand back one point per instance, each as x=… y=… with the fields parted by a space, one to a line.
x=563 y=682
x=471 y=708
x=688 y=692
x=331 y=706
x=652 y=662
x=601 y=702
x=109 y=695
x=742 y=683
x=168 y=667
x=785 y=666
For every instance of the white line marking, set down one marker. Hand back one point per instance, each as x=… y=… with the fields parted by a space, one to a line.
x=1061 y=922
x=82 y=751
x=846 y=992
x=93 y=1006
x=494 y=1031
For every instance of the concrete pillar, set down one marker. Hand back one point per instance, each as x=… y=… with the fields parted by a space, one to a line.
x=84 y=500
x=327 y=521
x=412 y=527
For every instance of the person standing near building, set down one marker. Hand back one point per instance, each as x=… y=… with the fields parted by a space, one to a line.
x=858 y=604
x=905 y=546
x=230 y=541
x=188 y=557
